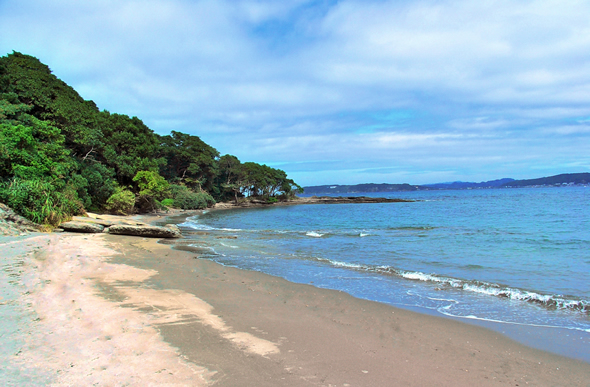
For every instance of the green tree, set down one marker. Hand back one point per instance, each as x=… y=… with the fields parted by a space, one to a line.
x=230 y=175
x=129 y=146
x=153 y=188
x=189 y=160
x=121 y=202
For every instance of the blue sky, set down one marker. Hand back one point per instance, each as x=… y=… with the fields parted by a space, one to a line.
x=335 y=92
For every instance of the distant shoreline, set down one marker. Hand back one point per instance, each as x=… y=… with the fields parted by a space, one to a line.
x=566 y=179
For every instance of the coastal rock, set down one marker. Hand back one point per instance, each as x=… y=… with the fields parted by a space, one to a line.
x=350 y=199
x=144 y=231
x=312 y=200
x=13 y=224
x=106 y=220
x=173 y=227
x=86 y=227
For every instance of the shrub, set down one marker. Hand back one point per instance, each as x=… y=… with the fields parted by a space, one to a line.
x=167 y=202
x=152 y=189
x=41 y=200
x=189 y=200
x=121 y=202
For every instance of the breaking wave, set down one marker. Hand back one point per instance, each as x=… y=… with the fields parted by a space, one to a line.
x=549 y=301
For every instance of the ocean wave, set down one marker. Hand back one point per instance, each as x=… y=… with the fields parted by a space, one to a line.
x=230 y=246
x=314 y=234
x=204 y=227
x=195 y=226
x=549 y=301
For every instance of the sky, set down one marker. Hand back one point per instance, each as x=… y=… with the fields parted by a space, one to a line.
x=335 y=92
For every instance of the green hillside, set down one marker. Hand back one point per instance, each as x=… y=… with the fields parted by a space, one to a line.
x=60 y=156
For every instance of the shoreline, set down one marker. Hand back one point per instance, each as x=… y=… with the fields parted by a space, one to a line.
x=561 y=341
x=232 y=327
x=327 y=337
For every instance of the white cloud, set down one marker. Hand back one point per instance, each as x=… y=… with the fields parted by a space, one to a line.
x=284 y=82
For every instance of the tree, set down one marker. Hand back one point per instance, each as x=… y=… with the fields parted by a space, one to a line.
x=264 y=181
x=128 y=146
x=188 y=160
x=230 y=174
x=152 y=189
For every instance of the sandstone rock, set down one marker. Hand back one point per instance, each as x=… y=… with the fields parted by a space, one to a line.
x=144 y=231
x=87 y=227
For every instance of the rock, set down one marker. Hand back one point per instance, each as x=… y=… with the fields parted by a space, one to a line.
x=173 y=227
x=107 y=220
x=144 y=231
x=81 y=219
x=13 y=224
x=87 y=227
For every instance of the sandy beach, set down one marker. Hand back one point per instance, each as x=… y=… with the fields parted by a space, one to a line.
x=118 y=310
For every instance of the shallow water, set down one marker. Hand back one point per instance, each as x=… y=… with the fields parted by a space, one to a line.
x=515 y=260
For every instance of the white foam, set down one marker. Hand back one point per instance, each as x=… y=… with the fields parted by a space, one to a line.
x=345 y=264
x=314 y=234
x=196 y=226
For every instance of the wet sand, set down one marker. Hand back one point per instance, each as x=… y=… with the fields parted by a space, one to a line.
x=117 y=310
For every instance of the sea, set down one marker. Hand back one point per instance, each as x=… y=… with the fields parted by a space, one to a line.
x=516 y=261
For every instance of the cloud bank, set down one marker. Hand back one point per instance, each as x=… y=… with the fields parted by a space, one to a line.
x=335 y=91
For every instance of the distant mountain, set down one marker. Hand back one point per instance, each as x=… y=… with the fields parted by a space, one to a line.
x=466 y=185
x=557 y=180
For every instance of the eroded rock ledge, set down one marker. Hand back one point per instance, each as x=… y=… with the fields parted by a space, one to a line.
x=119 y=226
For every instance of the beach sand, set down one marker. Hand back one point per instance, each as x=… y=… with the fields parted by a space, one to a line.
x=117 y=310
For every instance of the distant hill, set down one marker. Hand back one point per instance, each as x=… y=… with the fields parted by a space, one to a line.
x=466 y=185
x=557 y=180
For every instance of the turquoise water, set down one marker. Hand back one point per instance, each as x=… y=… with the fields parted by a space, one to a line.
x=514 y=260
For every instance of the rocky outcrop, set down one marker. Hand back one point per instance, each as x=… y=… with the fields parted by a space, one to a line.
x=13 y=224
x=119 y=225
x=311 y=200
x=348 y=199
x=85 y=227
x=144 y=231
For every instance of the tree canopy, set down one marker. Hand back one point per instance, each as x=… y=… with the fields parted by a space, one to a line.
x=60 y=155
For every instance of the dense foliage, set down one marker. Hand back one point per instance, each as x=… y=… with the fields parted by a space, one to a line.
x=60 y=155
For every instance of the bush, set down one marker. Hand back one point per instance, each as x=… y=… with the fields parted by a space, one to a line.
x=167 y=202
x=121 y=202
x=41 y=200
x=189 y=200
x=152 y=189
